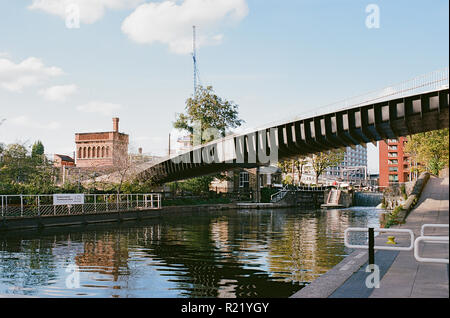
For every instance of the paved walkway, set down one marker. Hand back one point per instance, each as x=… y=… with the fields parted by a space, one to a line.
x=408 y=278
x=401 y=275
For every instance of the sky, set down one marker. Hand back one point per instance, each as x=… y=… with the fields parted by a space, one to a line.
x=69 y=66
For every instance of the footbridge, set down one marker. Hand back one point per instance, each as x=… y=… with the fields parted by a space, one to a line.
x=414 y=106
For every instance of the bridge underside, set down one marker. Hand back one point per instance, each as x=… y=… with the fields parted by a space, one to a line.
x=347 y=128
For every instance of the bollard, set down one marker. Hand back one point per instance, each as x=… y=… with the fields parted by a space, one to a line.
x=371 y=247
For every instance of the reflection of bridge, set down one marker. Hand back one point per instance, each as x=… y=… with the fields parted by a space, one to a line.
x=411 y=107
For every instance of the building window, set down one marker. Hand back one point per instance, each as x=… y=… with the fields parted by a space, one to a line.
x=393 y=177
x=393 y=169
x=393 y=147
x=392 y=161
x=243 y=179
x=392 y=154
x=393 y=141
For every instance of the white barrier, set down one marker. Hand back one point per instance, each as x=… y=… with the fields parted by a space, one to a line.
x=434 y=239
x=424 y=226
x=386 y=248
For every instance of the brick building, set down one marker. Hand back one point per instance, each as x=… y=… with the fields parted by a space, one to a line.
x=63 y=160
x=101 y=149
x=394 y=162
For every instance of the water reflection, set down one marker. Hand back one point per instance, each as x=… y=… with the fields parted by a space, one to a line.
x=216 y=254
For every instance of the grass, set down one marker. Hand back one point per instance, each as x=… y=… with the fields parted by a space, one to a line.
x=392 y=218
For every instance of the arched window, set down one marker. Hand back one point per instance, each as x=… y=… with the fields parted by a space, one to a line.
x=98 y=152
x=103 y=152
x=107 y=152
x=89 y=152
x=84 y=152
x=79 y=153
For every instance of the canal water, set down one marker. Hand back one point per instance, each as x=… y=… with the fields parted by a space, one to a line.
x=236 y=253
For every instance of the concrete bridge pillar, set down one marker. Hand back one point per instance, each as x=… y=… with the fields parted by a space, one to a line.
x=258 y=186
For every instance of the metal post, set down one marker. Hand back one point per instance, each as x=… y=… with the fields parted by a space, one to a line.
x=21 y=205
x=95 y=203
x=39 y=206
x=371 y=247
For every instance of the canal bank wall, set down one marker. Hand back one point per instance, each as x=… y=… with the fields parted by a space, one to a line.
x=304 y=200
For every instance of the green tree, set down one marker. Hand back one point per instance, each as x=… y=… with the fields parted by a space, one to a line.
x=293 y=166
x=321 y=161
x=208 y=111
x=21 y=173
x=37 y=151
x=430 y=149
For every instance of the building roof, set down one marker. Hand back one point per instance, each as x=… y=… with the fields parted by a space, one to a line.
x=65 y=158
x=269 y=170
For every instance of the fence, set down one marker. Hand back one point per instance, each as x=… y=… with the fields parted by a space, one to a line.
x=278 y=196
x=43 y=205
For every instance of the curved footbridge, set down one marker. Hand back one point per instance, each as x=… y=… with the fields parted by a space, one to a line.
x=410 y=108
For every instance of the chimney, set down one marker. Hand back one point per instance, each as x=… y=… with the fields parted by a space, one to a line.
x=116 y=124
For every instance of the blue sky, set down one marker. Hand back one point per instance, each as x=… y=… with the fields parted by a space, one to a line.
x=131 y=58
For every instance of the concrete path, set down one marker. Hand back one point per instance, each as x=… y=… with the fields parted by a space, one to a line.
x=401 y=275
x=408 y=278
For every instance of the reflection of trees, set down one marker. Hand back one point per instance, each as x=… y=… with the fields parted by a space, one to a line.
x=307 y=246
x=202 y=269
x=25 y=264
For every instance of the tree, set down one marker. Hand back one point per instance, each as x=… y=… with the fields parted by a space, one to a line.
x=211 y=111
x=430 y=149
x=321 y=161
x=21 y=173
x=207 y=111
x=292 y=166
x=37 y=151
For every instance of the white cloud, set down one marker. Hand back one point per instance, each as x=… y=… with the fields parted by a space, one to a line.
x=14 y=77
x=25 y=121
x=58 y=93
x=103 y=108
x=90 y=10
x=170 y=22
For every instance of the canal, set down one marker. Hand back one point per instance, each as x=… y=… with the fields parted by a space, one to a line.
x=236 y=253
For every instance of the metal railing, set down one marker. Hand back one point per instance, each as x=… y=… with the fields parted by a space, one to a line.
x=278 y=196
x=379 y=247
x=414 y=243
x=43 y=205
x=430 y=239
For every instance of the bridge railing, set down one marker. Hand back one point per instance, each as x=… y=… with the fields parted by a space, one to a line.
x=44 y=205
